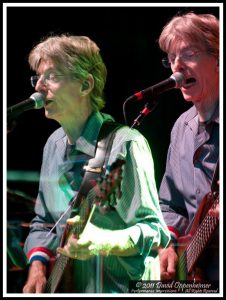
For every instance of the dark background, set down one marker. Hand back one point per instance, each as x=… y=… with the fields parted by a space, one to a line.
x=127 y=37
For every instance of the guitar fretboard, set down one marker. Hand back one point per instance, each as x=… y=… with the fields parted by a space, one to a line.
x=98 y=195
x=56 y=275
x=198 y=243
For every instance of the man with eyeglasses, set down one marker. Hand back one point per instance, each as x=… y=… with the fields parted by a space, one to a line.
x=191 y=42
x=111 y=250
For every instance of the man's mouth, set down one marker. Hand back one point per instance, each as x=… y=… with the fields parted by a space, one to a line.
x=48 y=102
x=189 y=82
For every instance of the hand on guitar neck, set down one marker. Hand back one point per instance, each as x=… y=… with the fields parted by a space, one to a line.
x=83 y=247
x=97 y=241
x=80 y=235
x=183 y=263
x=215 y=212
x=170 y=260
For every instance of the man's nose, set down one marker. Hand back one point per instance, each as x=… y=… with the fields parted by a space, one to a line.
x=40 y=86
x=178 y=64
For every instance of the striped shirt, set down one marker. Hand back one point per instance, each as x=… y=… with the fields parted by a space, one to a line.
x=191 y=161
x=137 y=211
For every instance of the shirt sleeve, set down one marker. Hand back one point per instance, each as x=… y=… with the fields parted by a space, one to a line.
x=139 y=204
x=171 y=199
x=42 y=241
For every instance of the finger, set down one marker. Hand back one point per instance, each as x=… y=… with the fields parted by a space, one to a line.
x=71 y=254
x=84 y=242
x=28 y=289
x=163 y=266
x=214 y=213
x=74 y=220
x=166 y=276
x=171 y=268
x=61 y=251
x=93 y=250
x=35 y=287
x=40 y=287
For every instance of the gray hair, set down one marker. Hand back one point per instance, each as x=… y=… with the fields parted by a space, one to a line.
x=191 y=27
x=80 y=55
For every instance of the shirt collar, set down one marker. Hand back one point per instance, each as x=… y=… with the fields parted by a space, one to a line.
x=192 y=117
x=86 y=143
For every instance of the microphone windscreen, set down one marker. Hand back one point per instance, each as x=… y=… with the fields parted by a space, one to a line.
x=39 y=100
x=179 y=79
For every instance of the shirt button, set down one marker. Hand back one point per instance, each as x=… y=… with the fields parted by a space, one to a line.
x=197 y=191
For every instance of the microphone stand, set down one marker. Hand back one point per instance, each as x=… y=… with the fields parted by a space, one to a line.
x=149 y=106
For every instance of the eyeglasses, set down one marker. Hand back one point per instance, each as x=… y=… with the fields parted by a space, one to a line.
x=49 y=78
x=186 y=56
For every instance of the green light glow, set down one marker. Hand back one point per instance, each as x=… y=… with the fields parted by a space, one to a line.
x=31 y=176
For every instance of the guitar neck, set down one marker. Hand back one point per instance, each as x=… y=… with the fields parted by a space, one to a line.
x=200 y=239
x=98 y=195
x=56 y=274
x=198 y=243
x=62 y=261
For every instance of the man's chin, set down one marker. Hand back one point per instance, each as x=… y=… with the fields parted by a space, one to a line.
x=188 y=98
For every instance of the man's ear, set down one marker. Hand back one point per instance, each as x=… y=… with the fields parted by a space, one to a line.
x=84 y=86
x=87 y=85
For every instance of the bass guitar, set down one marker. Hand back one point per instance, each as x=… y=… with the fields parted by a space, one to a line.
x=193 y=245
x=103 y=195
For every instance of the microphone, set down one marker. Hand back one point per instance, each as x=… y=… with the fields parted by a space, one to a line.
x=176 y=80
x=35 y=101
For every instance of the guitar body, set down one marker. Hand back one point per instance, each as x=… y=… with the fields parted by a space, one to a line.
x=192 y=247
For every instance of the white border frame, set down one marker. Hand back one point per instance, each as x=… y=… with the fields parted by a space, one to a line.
x=5 y=5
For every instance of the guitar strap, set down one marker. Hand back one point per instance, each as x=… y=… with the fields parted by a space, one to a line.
x=97 y=166
x=94 y=169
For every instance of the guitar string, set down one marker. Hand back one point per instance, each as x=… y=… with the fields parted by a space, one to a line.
x=191 y=255
x=203 y=236
x=188 y=254
x=62 y=260
x=207 y=221
x=188 y=258
x=52 y=276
